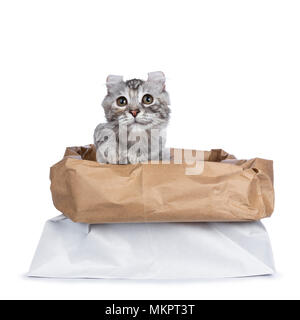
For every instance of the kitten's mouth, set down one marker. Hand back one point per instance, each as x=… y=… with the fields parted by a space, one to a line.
x=141 y=121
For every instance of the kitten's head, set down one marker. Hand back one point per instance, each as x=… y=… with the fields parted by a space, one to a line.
x=136 y=102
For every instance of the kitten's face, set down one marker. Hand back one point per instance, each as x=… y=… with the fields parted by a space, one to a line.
x=136 y=102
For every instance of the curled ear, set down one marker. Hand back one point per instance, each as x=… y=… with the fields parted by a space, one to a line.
x=112 y=80
x=158 y=78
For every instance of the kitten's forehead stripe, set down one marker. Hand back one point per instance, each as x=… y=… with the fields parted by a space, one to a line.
x=133 y=94
x=134 y=86
x=134 y=83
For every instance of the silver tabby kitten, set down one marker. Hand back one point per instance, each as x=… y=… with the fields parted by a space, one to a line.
x=137 y=114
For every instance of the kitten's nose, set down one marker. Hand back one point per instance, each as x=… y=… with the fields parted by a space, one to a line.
x=134 y=112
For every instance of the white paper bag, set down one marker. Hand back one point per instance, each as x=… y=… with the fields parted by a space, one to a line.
x=152 y=251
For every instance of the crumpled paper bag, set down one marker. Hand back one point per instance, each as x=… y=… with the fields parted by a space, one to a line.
x=227 y=189
x=152 y=250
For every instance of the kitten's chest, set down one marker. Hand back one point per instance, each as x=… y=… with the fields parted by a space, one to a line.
x=137 y=134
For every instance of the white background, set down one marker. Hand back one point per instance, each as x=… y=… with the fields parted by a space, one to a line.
x=233 y=73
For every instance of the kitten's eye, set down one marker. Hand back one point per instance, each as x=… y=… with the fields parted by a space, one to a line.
x=122 y=101
x=147 y=99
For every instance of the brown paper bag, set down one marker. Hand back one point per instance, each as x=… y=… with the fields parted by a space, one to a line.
x=226 y=190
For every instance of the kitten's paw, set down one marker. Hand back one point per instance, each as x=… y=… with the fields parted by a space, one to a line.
x=134 y=158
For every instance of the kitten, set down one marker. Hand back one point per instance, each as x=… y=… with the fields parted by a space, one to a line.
x=137 y=114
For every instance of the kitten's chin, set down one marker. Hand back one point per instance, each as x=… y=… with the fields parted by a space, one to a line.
x=138 y=123
x=142 y=121
x=138 y=126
